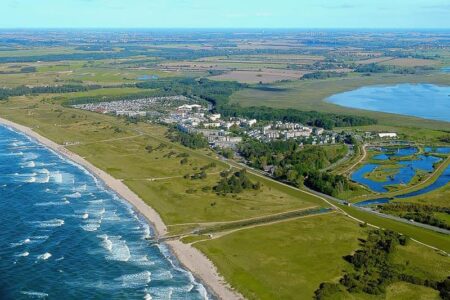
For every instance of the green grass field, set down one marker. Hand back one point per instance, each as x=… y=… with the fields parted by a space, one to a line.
x=286 y=260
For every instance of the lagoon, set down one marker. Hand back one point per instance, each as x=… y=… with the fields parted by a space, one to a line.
x=427 y=101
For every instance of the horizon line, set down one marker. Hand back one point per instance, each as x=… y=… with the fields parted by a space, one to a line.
x=226 y=28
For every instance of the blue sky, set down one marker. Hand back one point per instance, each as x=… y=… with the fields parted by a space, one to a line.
x=226 y=13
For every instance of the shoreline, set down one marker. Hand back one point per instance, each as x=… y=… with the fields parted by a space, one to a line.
x=189 y=257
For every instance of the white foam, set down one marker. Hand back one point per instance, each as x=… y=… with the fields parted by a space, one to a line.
x=81 y=188
x=31 y=179
x=135 y=280
x=30 y=156
x=97 y=201
x=106 y=243
x=117 y=248
x=147 y=231
x=39 y=295
x=111 y=216
x=85 y=216
x=23 y=254
x=30 y=164
x=44 y=256
x=52 y=203
x=57 y=177
x=74 y=195
x=90 y=227
x=49 y=223
x=189 y=287
x=25 y=241
x=43 y=171
x=165 y=275
x=148 y=297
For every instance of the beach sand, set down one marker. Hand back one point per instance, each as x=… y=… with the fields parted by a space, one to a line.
x=189 y=257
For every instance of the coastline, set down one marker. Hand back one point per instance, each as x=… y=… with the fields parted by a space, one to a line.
x=188 y=256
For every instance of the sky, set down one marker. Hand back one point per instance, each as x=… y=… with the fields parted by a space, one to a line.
x=225 y=14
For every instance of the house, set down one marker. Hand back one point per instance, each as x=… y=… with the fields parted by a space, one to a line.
x=387 y=135
x=250 y=123
x=131 y=113
x=212 y=125
x=214 y=117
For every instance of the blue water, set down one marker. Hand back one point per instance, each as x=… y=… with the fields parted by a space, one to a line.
x=65 y=236
x=443 y=150
x=420 y=100
x=401 y=152
x=373 y=202
x=148 y=77
x=404 y=175
x=445 y=70
x=442 y=180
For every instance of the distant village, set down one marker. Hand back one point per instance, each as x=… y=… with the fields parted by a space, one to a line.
x=197 y=118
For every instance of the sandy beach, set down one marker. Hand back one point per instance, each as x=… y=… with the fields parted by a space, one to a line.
x=189 y=257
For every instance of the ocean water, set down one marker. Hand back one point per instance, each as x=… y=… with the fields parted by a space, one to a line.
x=420 y=100
x=65 y=236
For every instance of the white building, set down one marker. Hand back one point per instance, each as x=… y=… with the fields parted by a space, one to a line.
x=212 y=125
x=251 y=122
x=214 y=117
x=131 y=113
x=387 y=135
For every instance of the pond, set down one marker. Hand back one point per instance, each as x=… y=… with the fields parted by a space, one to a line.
x=400 y=152
x=405 y=172
x=420 y=100
x=442 y=180
x=442 y=150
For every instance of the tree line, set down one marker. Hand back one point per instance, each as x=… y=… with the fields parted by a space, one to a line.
x=5 y=93
x=373 y=269
x=287 y=161
x=190 y=140
x=235 y=183
x=418 y=212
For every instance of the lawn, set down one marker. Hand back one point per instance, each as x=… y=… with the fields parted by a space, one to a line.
x=287 y=260
x=438 y=240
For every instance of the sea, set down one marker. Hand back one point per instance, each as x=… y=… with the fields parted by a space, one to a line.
x=64 y=235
